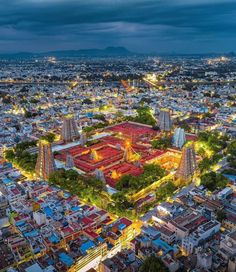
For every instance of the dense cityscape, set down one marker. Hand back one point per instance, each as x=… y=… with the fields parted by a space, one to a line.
x=118 y=163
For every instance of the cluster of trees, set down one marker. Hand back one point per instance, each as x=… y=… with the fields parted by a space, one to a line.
x=50 y=137
x=100 y=117
x=92 y=142
x=6 y=100
x=231 y=151
x=128 y=183
x=162 y=143
x=221 y=215
x=91 y=190
x=213 y=140
x=206 y=163
x=209 y=94
x=87 y=101
x=29 y=114
x=147 y=100
x=213 y=181
x=153 y=264
x=34 y=101
x=165 y=191
x=121 y=205
x=87 y=188
x=144 y=116
x=94 y=127
x=23 y=159
x=185 y=126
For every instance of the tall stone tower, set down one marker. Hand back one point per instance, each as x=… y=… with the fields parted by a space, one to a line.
x=188 y=164
x=69 y=161
x=69 y=131
x=179 y=138
x=83 y=139
x=45 y=164
x=165 y=120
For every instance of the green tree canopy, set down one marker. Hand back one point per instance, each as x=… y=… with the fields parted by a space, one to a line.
x=165 y=191
x=50 y=137
x=153 y=264
x=221 y=215
x=144 y=116
x=152 y=173
x=162 y=143
x=213 y=181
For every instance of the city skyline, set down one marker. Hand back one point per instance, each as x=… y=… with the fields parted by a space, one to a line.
x=141 y=26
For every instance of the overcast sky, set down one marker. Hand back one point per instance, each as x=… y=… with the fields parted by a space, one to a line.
x=165 y=26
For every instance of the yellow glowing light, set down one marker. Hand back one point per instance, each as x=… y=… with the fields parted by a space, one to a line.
x=127 y=143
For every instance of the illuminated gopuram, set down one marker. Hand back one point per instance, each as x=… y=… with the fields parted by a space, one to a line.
x=179 y=138
x=69 y=131
x=165 y=120
x=188 y=164
x=45 y=164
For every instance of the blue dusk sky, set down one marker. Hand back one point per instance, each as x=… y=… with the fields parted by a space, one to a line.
x=161 y=26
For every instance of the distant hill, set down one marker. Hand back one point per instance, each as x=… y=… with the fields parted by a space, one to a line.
x=107 y=52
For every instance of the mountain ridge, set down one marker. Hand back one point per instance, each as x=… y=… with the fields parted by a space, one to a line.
x=111 y=51
x=108 y=51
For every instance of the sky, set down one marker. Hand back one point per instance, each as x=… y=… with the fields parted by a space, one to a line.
x=145 y=26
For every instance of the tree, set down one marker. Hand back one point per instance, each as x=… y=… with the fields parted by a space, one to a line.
x=165 y=191
x=147 y=100
x=124 y=182
x=50 y=137
x=21 y=157
x=6 y=100
x=232 y=148
x=144 y=116
x=20 y=147
x=221 y=215
x=28 y=114
x=217 y=105
x=100 y=117
x=213 y=141
x=153 y=170
x=204 y=165
x=96 y=184
x=121 y=201
x=162 y=143
x=87 y=101
x=156 y=128
x=9 y=155
x=34 y=101
x=185 y=126
x=151 y=173
x=153 y=264
x=202 y=152
x=213 y=181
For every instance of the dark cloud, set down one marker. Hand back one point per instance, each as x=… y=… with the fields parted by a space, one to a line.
x=144 y=25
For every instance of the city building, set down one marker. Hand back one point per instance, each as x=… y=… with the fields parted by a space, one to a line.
x=228 y=245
